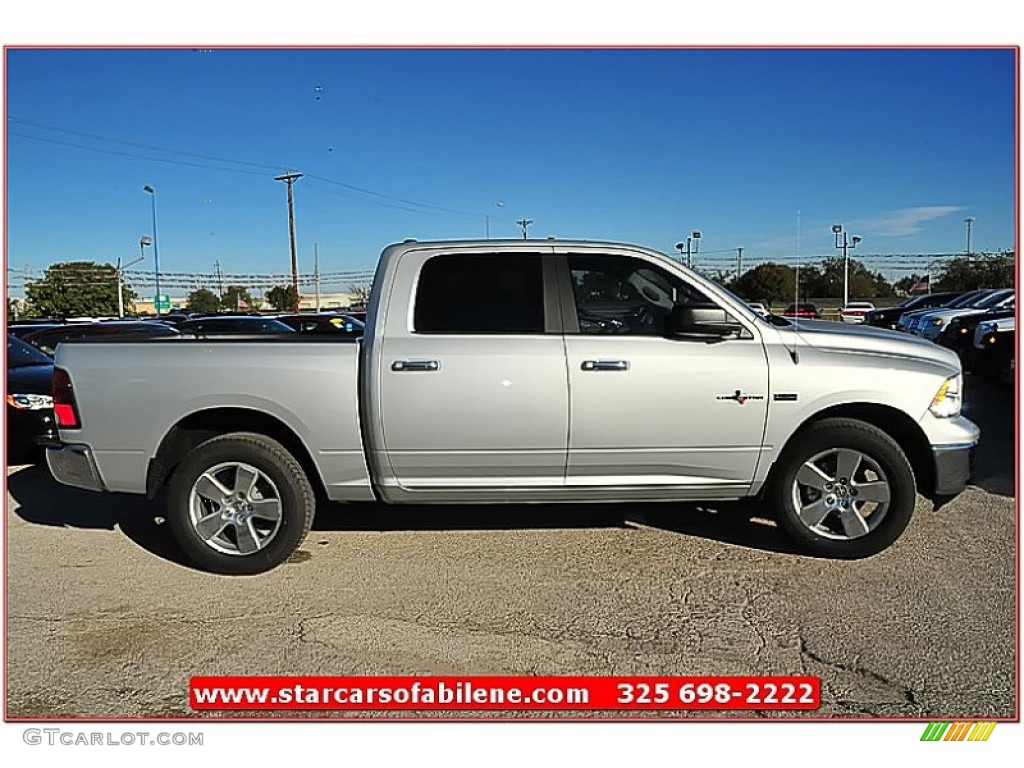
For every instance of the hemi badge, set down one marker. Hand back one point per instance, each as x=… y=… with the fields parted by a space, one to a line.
x=786 y=397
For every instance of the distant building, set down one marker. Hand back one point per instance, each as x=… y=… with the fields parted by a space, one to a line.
x=307 y=303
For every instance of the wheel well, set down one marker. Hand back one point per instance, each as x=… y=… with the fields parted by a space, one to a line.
x=893 y=422
x=198 y=427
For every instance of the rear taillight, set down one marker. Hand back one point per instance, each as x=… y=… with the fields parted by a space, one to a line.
x=64 y=406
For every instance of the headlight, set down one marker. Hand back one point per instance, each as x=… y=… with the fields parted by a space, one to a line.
x=946 y=402
x=30 y=402
x=937 y=321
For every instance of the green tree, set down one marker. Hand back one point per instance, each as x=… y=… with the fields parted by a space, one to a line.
x=76 y=289
x=828 y=283
x=237 y=298
x=769 y=282
x=981 y=270
x=203 y=300
x=282 y=298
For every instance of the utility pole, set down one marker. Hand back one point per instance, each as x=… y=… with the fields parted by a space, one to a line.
x=316 y=272
x=739 y=262
x=969 y=221
x=120 y=291
x=524 y=223
x=289 y=178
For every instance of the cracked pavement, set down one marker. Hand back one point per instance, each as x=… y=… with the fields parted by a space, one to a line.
x=105 y=619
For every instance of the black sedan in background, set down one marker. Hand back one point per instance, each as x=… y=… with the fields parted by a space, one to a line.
x=889 y=317
x=47 y=339
x=325 y=322
x=30 y=423
x=232 y=325
x=958 y=334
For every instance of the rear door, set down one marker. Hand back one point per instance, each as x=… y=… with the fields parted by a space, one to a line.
x=653 y=416
x=473 y=393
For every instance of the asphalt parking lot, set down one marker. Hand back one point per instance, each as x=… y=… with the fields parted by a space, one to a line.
x=105 y=619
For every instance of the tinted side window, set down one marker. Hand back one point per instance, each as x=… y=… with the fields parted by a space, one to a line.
x=620 y=294
x=485 y=293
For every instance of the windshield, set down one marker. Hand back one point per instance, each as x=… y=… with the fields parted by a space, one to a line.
x=20 y=354
x=995 y=298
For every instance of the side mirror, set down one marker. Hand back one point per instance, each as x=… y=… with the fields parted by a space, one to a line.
x=702 y=322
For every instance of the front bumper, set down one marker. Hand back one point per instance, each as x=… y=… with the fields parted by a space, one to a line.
x=953 y=464
x=74 y=465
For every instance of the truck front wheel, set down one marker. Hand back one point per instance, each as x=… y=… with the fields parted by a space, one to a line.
x=844 y=489
x=240 y=504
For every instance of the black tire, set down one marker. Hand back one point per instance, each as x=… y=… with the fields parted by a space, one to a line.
x=856 y=522
x=245 y=531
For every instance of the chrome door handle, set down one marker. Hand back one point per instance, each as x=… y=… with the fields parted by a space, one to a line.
x=415 y=365
x=605 y=365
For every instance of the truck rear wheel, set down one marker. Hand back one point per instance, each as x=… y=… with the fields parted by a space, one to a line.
x=844 y=489
x=240 y=504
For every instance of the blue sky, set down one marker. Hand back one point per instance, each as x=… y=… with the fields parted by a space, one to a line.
x=637 y=145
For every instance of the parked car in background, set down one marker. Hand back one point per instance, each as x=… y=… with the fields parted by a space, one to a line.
x=324 y=322
x=958 y=333
x=930 y=325
x=804 y=310
x=30 y=423
x=47 y=339
x=233 y=325
x=855 y=311
x=21 y=330
x=173 y=318
x=889 y=317
x=760 y=308
x=908 y=322
x=994 y=348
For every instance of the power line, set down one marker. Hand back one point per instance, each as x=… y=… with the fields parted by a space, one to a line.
x=168 y=150
x=131 y=155
x=141 y=145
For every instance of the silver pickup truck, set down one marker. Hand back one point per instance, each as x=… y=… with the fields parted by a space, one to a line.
x=520 y=371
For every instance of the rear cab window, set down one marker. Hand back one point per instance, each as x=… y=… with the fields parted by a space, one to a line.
x=480 y=294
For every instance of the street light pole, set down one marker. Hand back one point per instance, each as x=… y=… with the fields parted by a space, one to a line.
x=969 y=221
x=487 y=219
x=692 y=244
x=156 y=256
x=847 y=246
x=143 y=242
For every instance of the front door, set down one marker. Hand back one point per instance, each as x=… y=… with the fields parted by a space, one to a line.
x=657 y=417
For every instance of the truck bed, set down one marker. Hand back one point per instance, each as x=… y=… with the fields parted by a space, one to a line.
x=309 y=383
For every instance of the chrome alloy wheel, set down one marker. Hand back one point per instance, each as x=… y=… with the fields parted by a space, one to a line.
x=235 y=508
x=841 y=494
